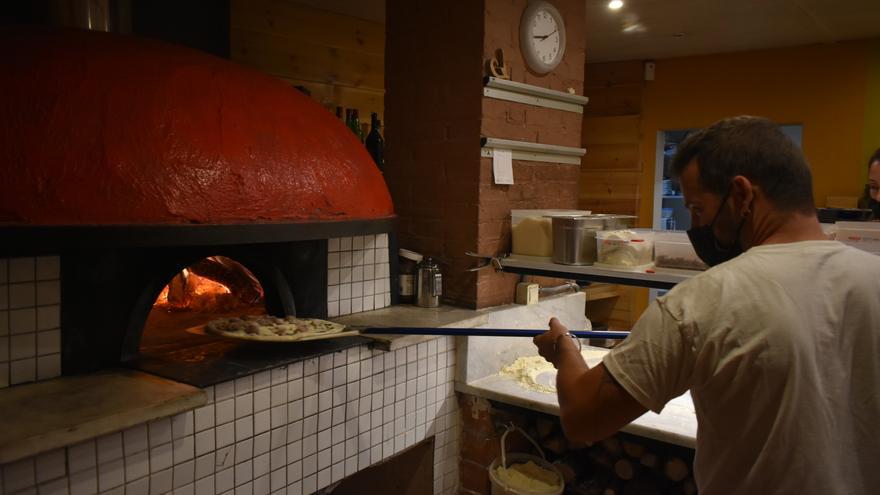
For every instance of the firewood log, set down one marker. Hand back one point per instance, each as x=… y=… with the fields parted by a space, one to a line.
x=624 y=469
x=555 y=444
x=612 y=446
x=599 y=457
x=676 y=469
x=634 y=450
x=649 y=460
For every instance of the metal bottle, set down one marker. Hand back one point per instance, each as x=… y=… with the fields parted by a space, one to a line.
x=429 y=284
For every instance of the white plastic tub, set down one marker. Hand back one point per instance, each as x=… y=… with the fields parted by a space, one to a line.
x=624 y=248
x=861 y=235
x=674 y=250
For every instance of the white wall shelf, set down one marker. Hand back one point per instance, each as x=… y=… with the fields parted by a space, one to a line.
x=503 y=89
x=536 y=152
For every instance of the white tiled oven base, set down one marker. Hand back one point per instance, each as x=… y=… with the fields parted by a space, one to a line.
x=30 y=314
x=358 y=274
x=291 y=430
x=358 y=279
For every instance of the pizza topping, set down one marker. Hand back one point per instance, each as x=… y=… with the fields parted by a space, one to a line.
x=272 y=327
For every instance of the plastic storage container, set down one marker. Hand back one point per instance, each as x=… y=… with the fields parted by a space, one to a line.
x=630 y=249
x=674 y=250
x=861 y=235
x=532 y=230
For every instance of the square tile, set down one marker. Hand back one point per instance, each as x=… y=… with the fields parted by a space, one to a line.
x=22 y=270
x=278 y=416
x=81 y=456
x=244 y=405
x=357 y=273
x=49 y=342
x=262 y=400
x=310 y=465
x=161 y=457
x=204 y=465
x=244 y=428
x=183 y=448
x=262 y=422
x=224 y=458
x=56 y=487
x=332 y=293
x=50 y=465
x=345 y=307
x=294 y=452
x=309 y=445
x=109 y=447
x=22 y=295
x=324 y=459
x=22 y=346
x=160 y=431
x=295 y=410
x=182 y=425
x=295 y=371
x=278 y=438
x=292 y=390
x=345 y=243
x=48 y=267
x=244 y=385
x=19 y=475
x=204 y=442
x=224 y=480
x=244 y=472
x=223 y=391
x=369 y=272
x=333 y=244
x=310 y=425
x=48 y=366
x=111 y=475
x=84 y=482
x=204 y=486
x=137 y=465
x=22 y=321
x=224 y=411
x=333 y=260
x=310 y=405
x=48 y=292
x=262 y=379
x=225 y=435
x=262 y=443
x=204 y=417
x=23 y=371
x=261 y=465
x=325 y=419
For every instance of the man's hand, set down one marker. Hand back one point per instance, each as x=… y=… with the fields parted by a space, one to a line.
x=548 y=342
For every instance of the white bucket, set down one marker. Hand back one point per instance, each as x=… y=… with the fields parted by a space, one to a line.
x=499 y=487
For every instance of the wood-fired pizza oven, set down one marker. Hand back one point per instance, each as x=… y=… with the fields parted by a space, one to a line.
x=132 y=159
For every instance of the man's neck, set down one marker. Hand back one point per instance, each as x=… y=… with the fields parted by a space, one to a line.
x=783 y=228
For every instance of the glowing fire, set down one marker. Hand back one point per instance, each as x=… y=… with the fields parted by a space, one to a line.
x=189 y=291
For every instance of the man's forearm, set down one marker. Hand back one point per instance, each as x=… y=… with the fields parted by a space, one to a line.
x=571 y=366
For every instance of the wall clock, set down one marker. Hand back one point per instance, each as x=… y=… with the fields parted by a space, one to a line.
x=542 y=36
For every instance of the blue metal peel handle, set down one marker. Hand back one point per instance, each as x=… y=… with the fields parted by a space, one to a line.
x=487 y=332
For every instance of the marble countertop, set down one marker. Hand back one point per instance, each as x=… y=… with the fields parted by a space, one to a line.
x=677 y=423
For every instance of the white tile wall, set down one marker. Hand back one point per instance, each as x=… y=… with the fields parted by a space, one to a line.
x=30 y=309
x=358 y=274
x=376 y=405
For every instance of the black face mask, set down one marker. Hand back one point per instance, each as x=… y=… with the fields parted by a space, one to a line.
x=706 y=244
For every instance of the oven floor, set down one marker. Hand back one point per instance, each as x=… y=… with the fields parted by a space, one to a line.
x=169 y=351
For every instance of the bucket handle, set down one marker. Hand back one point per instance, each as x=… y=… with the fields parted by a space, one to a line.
x=512 y=427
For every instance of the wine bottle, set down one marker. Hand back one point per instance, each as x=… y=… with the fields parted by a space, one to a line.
x=374 y=142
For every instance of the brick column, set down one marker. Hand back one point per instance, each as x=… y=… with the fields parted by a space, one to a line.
x=435 y=116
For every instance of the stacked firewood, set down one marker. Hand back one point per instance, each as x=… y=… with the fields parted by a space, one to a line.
x=619 y=465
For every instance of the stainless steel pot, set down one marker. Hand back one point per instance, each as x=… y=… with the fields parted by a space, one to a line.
x=574 y=239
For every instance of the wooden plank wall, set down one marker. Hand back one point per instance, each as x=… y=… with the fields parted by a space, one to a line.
x=340 y=59
x=611 y=172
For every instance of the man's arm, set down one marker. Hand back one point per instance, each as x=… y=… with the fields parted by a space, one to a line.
x=592 y=405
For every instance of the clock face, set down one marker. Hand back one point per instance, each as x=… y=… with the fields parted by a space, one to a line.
x=542 y=36
x=545 y=37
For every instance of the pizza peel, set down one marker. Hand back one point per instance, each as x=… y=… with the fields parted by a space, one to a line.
x=354 y=331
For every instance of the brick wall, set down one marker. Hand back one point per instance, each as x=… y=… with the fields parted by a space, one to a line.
x=432 y=130
x=435 y=115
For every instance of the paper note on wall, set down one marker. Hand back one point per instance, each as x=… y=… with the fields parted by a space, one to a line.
x=502 y=166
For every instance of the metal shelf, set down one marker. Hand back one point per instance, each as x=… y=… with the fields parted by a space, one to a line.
x=536 y=152
x=503 y=89
x=661 y=278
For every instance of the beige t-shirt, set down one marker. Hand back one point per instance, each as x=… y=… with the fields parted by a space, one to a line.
x=780 y=348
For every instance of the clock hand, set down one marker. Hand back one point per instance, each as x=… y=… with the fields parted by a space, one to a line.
x=542 y=38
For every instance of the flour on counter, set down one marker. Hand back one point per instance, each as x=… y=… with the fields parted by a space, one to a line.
x=526 y=370
x=529 y=478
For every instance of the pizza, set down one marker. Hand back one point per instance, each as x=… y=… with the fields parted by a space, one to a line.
x=272 y=328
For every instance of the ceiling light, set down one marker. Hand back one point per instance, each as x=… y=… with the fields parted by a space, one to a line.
x=615 y=4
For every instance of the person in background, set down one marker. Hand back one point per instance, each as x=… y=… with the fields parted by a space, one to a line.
x=777 y=342
x=873 y=186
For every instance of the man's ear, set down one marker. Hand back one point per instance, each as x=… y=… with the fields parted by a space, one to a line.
x=743 y=193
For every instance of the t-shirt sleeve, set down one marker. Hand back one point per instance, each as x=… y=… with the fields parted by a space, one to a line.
x=655 y=362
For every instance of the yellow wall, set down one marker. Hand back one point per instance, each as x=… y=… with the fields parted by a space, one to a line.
x=823 y=87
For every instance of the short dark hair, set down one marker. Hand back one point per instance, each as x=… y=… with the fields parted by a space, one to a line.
x=755 y=148
x=874 y=158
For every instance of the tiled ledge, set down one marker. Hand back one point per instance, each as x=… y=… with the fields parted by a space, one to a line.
x=48 y=415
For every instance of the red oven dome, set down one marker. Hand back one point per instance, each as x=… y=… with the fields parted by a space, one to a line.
x=105 y=129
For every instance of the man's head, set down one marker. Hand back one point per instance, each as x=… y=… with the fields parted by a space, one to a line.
x=737 y=173
x=874 y=176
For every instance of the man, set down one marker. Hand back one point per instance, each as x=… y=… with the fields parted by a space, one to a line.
x=779 y=346
x=872 y=188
